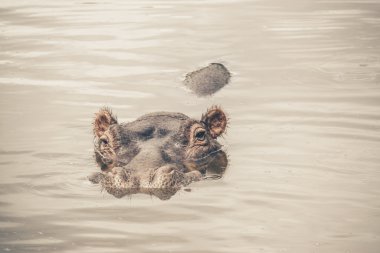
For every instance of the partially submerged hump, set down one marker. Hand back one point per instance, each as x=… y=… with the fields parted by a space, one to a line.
x=208 y=80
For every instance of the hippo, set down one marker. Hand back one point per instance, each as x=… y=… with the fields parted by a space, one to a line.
x=158 y=153
x=208 y=80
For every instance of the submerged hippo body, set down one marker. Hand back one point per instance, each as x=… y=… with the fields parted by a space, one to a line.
x=158 y=153
x=208 y=80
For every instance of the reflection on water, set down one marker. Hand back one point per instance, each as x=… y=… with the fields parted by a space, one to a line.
x=303 y=141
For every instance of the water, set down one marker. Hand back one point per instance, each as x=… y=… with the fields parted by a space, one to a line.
x=303 y=139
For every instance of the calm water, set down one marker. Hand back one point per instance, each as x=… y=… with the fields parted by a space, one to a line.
x=303 y=140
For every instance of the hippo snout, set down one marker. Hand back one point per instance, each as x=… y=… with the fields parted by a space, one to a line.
x=170 y=176
x=167 y=169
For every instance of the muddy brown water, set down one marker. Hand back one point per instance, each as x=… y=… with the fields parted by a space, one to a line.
x=303 y=139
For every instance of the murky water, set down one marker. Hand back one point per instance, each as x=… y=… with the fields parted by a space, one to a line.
x=303 y=140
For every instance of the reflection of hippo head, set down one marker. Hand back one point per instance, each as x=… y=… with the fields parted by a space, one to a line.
x=158 y=152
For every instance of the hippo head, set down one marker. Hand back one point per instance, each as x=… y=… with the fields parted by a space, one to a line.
x=158 y=150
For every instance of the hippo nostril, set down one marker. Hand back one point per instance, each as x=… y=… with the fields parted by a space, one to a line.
x=168 y=169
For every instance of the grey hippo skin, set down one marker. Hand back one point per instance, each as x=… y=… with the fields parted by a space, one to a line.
x=158 y=153
x=208 y=80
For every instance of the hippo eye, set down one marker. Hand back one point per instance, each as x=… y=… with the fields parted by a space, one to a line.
x=200 y=135
x=103 y=140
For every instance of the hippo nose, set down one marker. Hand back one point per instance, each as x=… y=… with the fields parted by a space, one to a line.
x=169 y=169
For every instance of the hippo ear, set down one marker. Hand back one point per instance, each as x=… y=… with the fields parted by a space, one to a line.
x=103 y=120
x=215 y=120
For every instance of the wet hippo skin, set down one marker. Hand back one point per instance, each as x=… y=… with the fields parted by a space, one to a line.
x=208 y=80
x=157 y=153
